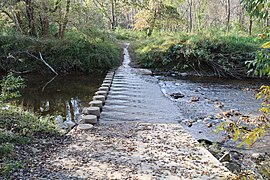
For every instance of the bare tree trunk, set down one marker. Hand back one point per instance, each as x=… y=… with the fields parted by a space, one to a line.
x=63 y=26
x=44 y=22
x=190 y=15
x=228 y=15
x=250 y=26
x=113 y=23
x=30 y=16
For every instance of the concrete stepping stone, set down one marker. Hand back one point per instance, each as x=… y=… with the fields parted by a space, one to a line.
x=85 y=126
x=104 y=89
x=99 y=98
x=89 y=119
x=102 y=93
x=96 y=104
x=91 y=111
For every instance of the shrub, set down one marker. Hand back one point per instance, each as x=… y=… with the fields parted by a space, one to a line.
x=223 y=55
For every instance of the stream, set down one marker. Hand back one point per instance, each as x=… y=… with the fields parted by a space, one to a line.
x=199 y=99
x=60 y=96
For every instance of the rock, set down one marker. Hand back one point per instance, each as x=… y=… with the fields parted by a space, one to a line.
x=35 y=150
x=85 y=126
x=91 y=119
x=219 y=104
x=183 y=74
x=177 y=84
x=209 y=125
x=232 y=166
x=205 y=141
x=194 y=99
x=258 y=156
x=177 y=95
x=189 y=124
x=225 y=158
x=235 y=155
x=91 y=111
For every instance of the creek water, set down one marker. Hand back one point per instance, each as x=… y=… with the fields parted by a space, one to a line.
x=60 y=95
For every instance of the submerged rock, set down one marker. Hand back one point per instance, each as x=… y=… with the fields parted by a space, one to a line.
x=177 y=95
x=225 y=158
x=232 y=166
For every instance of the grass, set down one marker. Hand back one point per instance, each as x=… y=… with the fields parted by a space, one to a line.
x=221 y=54
x=76 y=52
x=19 y=128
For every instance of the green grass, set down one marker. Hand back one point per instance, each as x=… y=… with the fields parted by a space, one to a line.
x=225 y=55
x=76 y=52
x=19 y=128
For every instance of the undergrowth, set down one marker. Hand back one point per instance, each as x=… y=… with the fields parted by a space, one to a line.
x=76 y=52
x=18 y=127
x=223 y=55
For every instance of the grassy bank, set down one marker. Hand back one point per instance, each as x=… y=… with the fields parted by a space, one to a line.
x=75 y=52
x=19 y=133
x=223 y=55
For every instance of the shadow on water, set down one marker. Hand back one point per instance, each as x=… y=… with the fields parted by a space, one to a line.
x=60 y=95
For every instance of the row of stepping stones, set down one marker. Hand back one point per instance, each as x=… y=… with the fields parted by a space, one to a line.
x=91 y=114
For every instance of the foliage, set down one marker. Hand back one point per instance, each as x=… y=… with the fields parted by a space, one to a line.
x=9 y=87
x=248 y=133
x=77 y=52
x=18 y=127
x=225 y=55
x=261 y=65
x=257 y=8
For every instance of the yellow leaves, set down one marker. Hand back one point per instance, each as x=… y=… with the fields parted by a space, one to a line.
x=266 y=45
x=251 y=137
x=264 y=110
x=142 y=20
x=262 y=36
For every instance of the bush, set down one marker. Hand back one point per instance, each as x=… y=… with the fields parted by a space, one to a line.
x=223 y=55
x=74 y=53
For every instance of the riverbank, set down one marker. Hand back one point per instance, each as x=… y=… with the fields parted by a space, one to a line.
x=205 y=54
x=75 y=53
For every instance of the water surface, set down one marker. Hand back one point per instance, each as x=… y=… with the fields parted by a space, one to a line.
x=60 y=95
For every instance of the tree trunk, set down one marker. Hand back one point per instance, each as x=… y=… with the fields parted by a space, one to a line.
x=228 y=15
x=44 y=21
x=30 y=17
x=63 y=26
x=250 y=26
x=190 y=15
x=113 y=23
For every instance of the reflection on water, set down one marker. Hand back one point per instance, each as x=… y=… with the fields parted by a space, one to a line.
x=61 y=95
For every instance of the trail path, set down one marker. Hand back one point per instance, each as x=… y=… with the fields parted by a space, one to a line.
x=138 y=138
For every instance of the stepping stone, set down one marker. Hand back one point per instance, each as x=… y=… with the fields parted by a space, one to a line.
x=104 y=89
x=108 y=78
x=106 y=85
x=99 y=98
x=102 y=93
x=96 y=104
x=107 y=81
x=91 y=111
x=89 y=119
x=85 y=126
